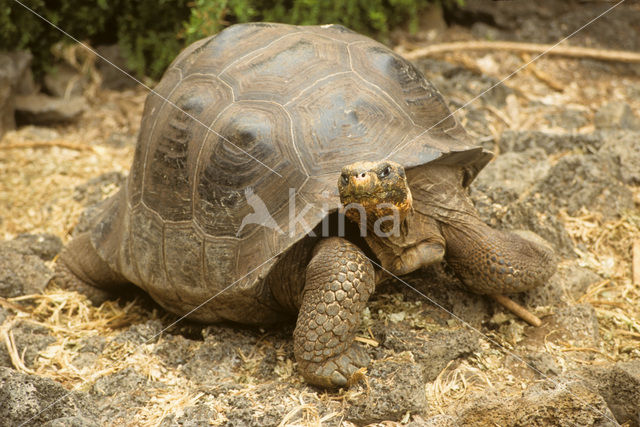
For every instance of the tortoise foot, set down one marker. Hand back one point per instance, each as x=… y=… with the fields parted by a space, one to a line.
x=337 y=371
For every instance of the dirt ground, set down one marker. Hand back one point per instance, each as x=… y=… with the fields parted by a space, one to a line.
x=566 y=133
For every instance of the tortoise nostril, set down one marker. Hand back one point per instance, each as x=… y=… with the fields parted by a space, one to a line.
x=362 y=175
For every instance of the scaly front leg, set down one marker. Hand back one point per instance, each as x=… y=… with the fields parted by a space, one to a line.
x=339 y=281
x=491 y=261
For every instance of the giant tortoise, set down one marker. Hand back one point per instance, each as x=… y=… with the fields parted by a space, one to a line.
x=249 y=145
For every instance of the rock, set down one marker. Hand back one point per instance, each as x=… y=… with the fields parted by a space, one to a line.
x=513 y=140
x=575 y=280
x=572 y=327
x=434 y=353
x=89 y=351
x=42 y=109
x=565 y=401
x=582 y=180
x=576 y=325
x=435 y=421
x=619 y=385
x=616 y=115
x=532 y=201
x=536 y=215
x=175 y=350
x=33 y=400
x=568 y=284
x=120 y=140
x=85 y=221
x=523 y=21
x=120 y=395
x=623 y=147
x=459 y=84
x=93 y=344
x=568 y=119
x=15 y=78
x=575 y=182
x=483 y=31
x=45 y=246
x=272 y=402
x=511 y=174
x=21 y=274
x=84 y=360
x=112 y=78
x=508 y=194
x=74 y=421
x=22 y=267
x=141 y=333
x=192 y=416
x=63 y=81
x=26 y=84
x=442 y=293
x=92 y=194
x=394 y=387
x=543 y=363
x=220 y=349
x=96 y=189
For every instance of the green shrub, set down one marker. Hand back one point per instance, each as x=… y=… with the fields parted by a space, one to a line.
x=148 y=33
x=152 y=32
x=373 y=17
x=146 y=30
x=20 y=28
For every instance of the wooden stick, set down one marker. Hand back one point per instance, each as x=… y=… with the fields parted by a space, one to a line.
x=517 y=309
x=636 y=262
x=569 y=51
x=12 y=306
x=47 y=144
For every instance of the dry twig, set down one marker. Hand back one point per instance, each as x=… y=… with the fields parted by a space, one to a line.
x=636 y=262
x=47 y=144
x=517 y=309
x=547 y=49
x=10 y=305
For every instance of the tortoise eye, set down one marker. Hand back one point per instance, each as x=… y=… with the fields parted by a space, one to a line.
x=344 y=178
x=385 y=172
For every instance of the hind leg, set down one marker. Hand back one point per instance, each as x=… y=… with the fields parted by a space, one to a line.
x=80 y=268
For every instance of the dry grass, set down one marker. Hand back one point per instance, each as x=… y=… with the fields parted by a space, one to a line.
x=41 y=166
x=616 y=299
x=454 y=383
x=70 y=318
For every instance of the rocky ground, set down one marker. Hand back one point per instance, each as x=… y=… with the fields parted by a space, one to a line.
x=567 y=137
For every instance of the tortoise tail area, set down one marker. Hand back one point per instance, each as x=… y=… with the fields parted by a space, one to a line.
x=80 y=267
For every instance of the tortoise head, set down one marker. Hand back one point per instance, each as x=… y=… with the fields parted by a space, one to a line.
x=378 y=188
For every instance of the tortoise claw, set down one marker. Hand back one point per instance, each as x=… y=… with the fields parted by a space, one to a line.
x=337 y=371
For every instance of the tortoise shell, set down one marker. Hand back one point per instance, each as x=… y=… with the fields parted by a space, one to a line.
x=267 y=110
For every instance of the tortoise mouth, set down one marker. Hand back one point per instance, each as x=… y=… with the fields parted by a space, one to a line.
x=376 y=198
